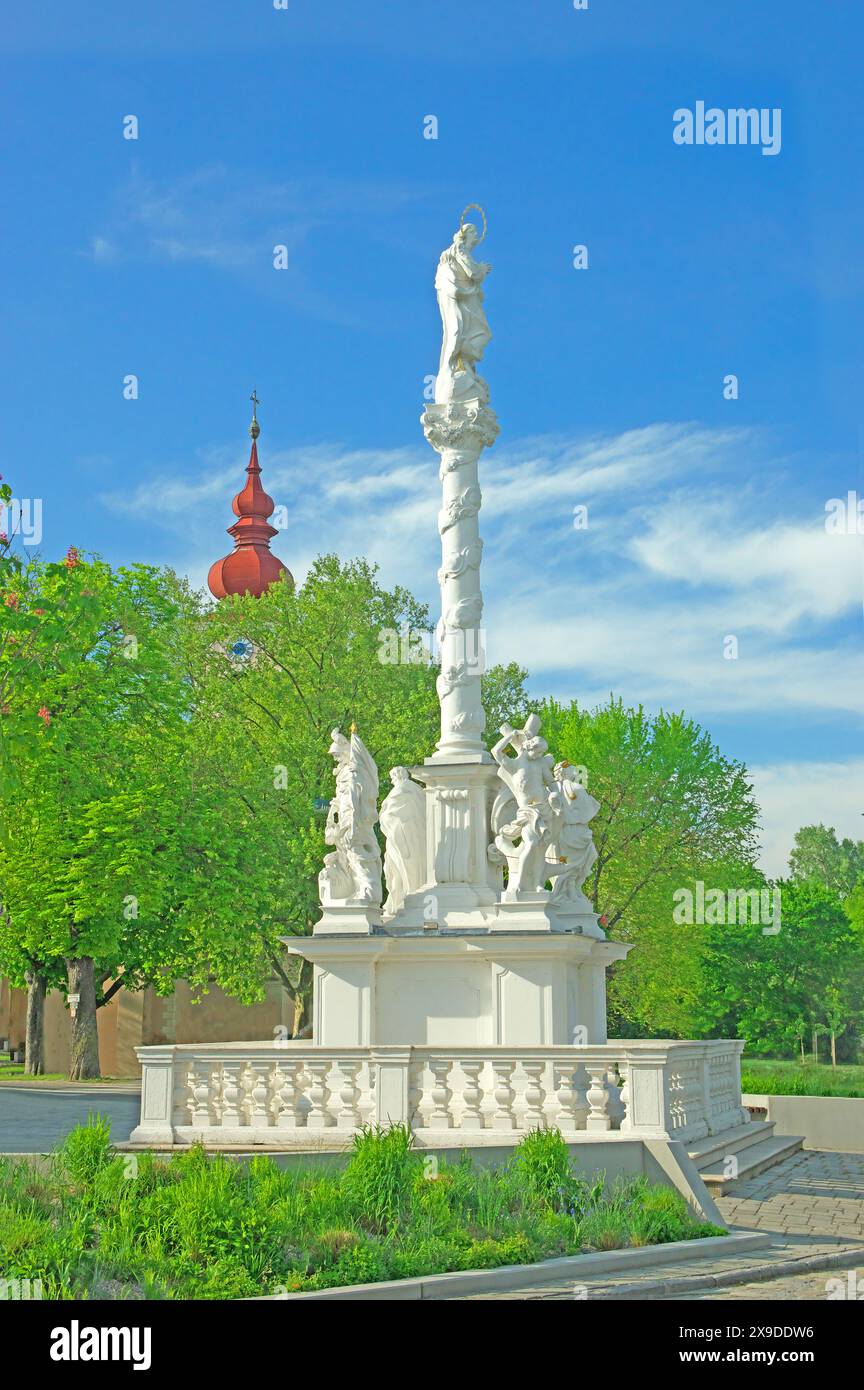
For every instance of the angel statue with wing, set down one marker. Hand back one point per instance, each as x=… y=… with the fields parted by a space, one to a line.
x=352 y=873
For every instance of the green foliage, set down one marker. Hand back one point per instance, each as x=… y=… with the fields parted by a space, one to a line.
x=541 y=1161
x=193 y=1226
x=773 y=990
x=673 y=810
x=818 y=854
x=662 y=1216
x=854 y=909
x=380 y=1175
x=92 y=808
x=85 y=1151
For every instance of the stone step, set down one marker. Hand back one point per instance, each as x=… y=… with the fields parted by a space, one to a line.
x=753 y=1160
x=705 y=1152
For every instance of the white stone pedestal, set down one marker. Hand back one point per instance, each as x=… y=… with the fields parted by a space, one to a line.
x=342 y=919
x=436 y=988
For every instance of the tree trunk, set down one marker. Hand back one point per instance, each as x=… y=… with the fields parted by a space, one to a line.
x=302 y=998
x=33 y=1055
x=298 y=1015
x=801 y=1041
x=84 y=1060
x=833 y=1048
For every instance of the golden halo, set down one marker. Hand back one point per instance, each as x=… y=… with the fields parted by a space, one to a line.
x=482 y=214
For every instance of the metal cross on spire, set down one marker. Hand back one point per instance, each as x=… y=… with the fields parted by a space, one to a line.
x=254 y=428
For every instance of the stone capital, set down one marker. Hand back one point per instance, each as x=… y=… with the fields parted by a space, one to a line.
x=468 y=425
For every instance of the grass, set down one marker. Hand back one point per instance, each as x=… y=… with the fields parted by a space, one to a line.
x=763 y=1077
x=99 y=1224
x=14 y=1071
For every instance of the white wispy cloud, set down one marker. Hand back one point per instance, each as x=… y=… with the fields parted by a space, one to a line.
x=230 y=219
x=715 y=542
x=807 y=793
x=641 y=602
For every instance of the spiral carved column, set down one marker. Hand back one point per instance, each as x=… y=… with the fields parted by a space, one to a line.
x=459 y=431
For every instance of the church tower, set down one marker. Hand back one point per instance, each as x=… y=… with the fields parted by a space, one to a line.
x=251 y=567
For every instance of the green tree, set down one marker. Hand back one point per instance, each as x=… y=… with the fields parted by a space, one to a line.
x=770 y=988
x=42 y=609
x=673 y=810
x=505 y=698
x=818 y=854
x=90 y=810
x=854 y=907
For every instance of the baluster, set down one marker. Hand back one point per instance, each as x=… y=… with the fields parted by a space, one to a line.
x=616 y=1109
x=367 y=1088
x=416 y=1118
x=504 y=1096
x=217 y=1082
x=302 y=1082
x=534 y=1118
x=626 y=1118
x=348 y=1116
x=571 y=1115
x=441 y=1095
x=319 y=1116
x=231 y=1117
x=598 y=1098
x=259 y=1097
x=247 y=1083
x=472 y=1095
x=199 y=1094
x=286 y=1094
x=274 y=1081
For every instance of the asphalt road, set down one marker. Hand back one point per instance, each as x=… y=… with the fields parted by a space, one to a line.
x=35 y=1121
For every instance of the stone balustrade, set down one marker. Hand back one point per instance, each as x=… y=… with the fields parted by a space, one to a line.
x=297 y=1095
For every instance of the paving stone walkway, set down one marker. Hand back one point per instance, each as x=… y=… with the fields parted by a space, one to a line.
x=838 y=1284
x=812 y=1196
x=711 y=1277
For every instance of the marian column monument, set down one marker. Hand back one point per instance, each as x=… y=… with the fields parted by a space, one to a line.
x=467 y=990
x=484 y=935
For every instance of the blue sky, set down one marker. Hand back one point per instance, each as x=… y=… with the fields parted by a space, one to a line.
x=304 y=127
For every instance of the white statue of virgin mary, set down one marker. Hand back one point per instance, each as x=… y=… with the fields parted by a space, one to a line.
x=458 y=282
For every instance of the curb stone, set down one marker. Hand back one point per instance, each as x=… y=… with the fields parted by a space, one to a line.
x=79 y=1088
x=572 y=1267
